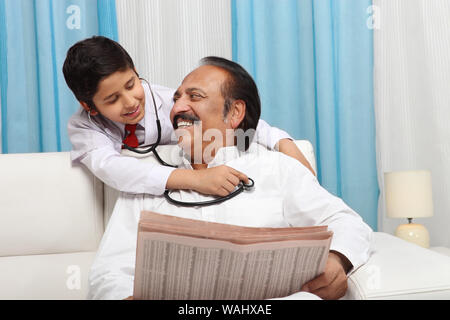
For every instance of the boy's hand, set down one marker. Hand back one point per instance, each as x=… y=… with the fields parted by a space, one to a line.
x=219 y=181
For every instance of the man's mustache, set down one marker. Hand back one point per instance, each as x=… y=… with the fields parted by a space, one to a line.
x=183 y=116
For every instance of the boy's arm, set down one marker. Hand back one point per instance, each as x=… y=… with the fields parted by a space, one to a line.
x=288 y=147
x=279 y=140
x=102 y=157
x=128 y=174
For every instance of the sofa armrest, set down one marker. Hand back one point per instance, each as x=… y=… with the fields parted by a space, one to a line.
x=398 y=269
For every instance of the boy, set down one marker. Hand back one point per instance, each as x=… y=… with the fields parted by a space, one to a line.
x=117 y=108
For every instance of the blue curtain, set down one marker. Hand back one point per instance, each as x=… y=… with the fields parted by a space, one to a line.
x=34 y=38
x=313 y=63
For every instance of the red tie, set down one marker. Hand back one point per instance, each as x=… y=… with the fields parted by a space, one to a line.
x=131 y=140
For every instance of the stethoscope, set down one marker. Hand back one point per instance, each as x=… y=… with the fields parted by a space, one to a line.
x=152 y=148
x=241 y=187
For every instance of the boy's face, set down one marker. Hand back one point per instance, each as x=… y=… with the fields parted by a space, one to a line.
x=120 y=97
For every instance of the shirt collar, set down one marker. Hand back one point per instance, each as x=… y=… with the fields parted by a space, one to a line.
x=141 y=123
x=223 y=156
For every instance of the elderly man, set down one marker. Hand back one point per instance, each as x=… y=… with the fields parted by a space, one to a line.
x=214 y=102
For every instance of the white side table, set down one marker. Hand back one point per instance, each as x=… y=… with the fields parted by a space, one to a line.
x=442 y=250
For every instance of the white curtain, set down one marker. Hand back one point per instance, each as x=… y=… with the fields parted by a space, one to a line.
x=167 y=38
x=0 y=124
x=412 y=101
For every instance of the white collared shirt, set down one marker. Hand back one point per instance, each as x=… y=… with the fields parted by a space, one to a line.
x=98 y=145
x=285 y=194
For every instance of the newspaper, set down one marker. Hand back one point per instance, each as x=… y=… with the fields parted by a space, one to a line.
x=185 y=259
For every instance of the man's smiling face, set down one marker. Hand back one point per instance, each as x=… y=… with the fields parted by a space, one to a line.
x=199 y=101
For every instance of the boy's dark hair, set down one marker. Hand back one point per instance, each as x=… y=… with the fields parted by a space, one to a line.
x=91 y=60
x=239 y=86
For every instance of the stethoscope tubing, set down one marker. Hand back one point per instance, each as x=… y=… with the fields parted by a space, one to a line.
x=241 y=187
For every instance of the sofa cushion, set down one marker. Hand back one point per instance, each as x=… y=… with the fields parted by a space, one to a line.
x=54 y=276
x=398 y=269
x=48 y=206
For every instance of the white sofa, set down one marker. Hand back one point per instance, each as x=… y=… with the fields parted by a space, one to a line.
x=52 y=217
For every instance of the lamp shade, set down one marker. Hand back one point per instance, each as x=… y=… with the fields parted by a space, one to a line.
x=408 y=194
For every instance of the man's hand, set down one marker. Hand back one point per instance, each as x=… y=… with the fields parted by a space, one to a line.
x=332 y=283
x=129 y=298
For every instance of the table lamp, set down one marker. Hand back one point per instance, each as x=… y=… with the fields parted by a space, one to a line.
x=409 y=195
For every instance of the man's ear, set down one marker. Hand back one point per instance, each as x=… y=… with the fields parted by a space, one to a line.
x=237 y=113
x=88 y=109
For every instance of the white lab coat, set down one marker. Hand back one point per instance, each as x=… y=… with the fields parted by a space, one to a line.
x=98 y=146
x=285 y=194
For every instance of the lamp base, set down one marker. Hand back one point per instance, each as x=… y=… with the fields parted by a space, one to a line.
x=415 y=233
